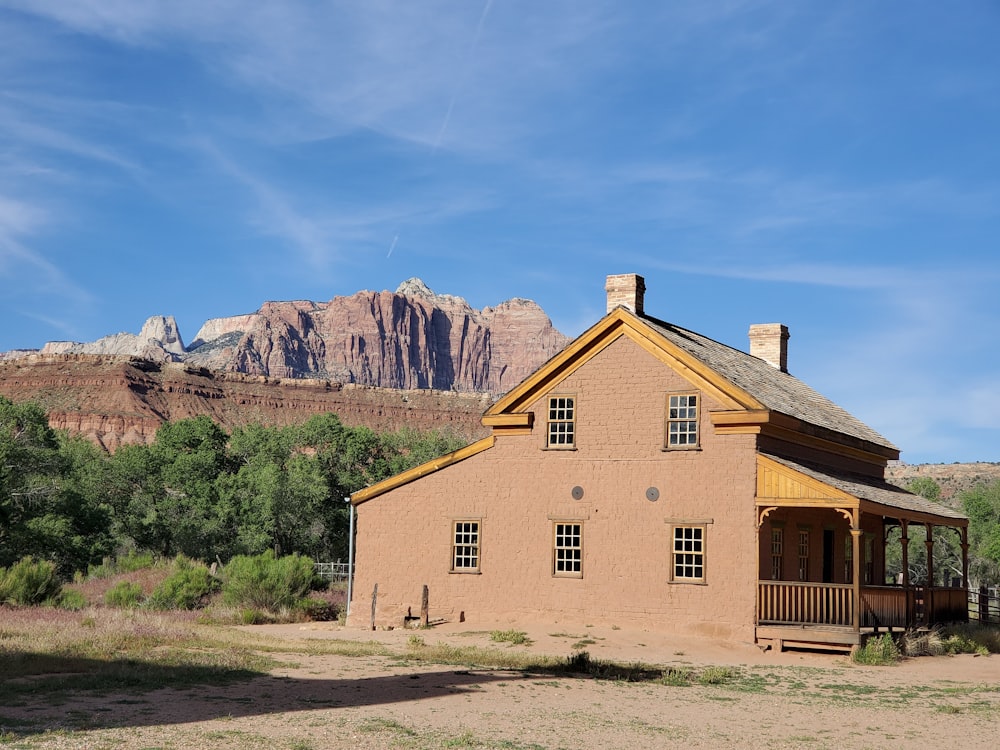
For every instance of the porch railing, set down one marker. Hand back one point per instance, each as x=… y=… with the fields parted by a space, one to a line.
x=795 y=603
x=789 y=602
x=888 y=607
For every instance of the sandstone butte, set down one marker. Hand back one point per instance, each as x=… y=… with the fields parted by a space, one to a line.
x=380 y=359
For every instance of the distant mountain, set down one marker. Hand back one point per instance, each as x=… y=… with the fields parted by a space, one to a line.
x=408 y=339
x=952 y=478
x=379 y=359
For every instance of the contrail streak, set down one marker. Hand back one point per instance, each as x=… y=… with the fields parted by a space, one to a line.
x=461 y=83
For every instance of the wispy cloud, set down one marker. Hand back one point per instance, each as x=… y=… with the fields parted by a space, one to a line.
x=338 y=232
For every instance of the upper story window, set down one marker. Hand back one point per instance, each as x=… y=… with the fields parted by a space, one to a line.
x=561 y=422
x=682 y=420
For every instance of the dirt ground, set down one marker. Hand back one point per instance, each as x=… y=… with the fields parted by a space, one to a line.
x=787 y=700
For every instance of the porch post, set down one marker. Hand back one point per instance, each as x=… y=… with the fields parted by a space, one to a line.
x=856 y=578
x=930 y=555
x=904 y=541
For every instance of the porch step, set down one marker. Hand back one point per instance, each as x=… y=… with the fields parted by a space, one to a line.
x=824 y=638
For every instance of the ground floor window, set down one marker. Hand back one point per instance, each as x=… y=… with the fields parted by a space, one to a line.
x=567 y=553
x=465 y=547
x=869 y=559
x=777 y=553
x=848 y=559
x=803 y=555
x=688 y=554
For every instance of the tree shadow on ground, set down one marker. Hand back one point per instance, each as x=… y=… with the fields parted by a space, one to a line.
x=83 y=694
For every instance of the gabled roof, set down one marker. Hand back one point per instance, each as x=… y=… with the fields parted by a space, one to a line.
x=776 y=390
x=874 y=490
x=737 y=379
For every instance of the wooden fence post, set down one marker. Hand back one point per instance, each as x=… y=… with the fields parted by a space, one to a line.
x=374 y=602
x=984 y=604
x=424 y=602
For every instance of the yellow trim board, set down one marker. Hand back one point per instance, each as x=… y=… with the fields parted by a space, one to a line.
x=517 y=419
x=422 y=470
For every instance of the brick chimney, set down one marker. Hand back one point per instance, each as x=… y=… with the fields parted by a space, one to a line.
x=626 y=289
x=769 y=342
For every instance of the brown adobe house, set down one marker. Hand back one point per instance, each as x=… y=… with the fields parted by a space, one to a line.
x=649 y=476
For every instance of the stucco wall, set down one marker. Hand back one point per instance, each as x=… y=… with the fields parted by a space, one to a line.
x=518 y=489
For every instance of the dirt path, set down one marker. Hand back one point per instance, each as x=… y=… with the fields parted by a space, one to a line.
x=790 y=700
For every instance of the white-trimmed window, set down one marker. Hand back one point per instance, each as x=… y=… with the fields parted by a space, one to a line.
x=561 y=431
x=777 y=553
x=682 y=420
x=465 y=547
x=803 y=554
x=567 y=549
x=688 y=554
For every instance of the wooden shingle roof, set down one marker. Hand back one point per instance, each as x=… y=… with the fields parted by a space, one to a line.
x=777 y=390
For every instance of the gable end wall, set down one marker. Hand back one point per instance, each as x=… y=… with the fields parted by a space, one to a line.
x=518 y=488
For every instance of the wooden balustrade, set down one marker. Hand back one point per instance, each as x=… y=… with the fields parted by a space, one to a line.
x=947 y=605
x=794 y=603
x=787 y=602
x=887 y=607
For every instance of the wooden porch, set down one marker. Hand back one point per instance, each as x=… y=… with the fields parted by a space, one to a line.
x=826 y=616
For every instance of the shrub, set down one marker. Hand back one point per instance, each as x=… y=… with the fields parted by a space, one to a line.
x=29 y=582
x=130 y=562
x=266 y=582
x=72 y=600
x=717 y=675
x=971 y=638
x=124 y=594
x=513 y=637
x=185 y=588
x=923 y=643
x=963 y=638
x=880 y=651
x=677 y=677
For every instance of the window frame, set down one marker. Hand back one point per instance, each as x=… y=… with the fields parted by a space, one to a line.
x=558 y=548
x=803 y=549
x=848 y=559
x=701 y=553
x=777 y=553
x=457 y=544
x=571 y=421
x=688 y=419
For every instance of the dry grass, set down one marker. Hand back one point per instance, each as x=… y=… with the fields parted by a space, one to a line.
x=104 y=649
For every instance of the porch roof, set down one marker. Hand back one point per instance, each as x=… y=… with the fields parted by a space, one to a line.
x=875 y=490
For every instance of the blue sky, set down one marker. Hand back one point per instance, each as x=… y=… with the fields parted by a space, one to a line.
x=831 y=166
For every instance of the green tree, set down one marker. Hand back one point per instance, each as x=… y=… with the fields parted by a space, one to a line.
x=407 y=447
x=278 y=497
x=926 y=488
x=982 y=506
x=47 y=507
